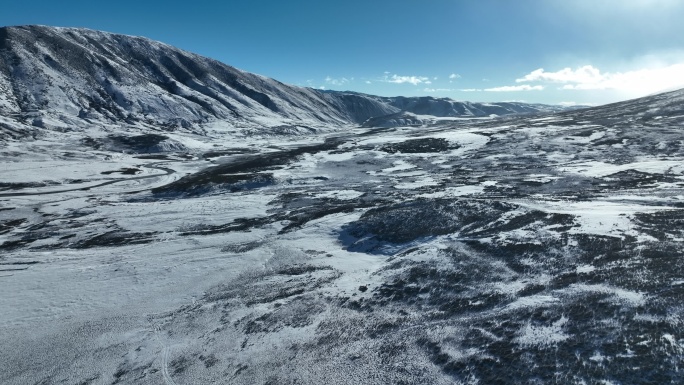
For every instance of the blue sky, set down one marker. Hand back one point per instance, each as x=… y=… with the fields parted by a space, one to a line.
x=547 y=51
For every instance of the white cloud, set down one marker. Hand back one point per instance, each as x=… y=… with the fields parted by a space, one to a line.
x=586 y=74
x=369 y=82
x=522 y=87
x=415 y=80
x=567 y=104
x=336 y=82
x=470 y=90
x=453 y=77
x=433 y=90
x=638 y=82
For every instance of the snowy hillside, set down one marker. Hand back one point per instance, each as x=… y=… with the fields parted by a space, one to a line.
x=67 y=78
x=61 y=76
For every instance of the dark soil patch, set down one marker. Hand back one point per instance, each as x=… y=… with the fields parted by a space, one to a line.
x=138 y=143
x=115 y=238
x=661 y=225
x=8 y=225
x=152 y=156
x=301 y=269
x=608 y=142
x=219 y=153
x=214 y=183
x=405 y=222
x=415 y=146
x=241 y=247
x=243 y=173
x=239 y=224
x=123 y=171
x=304 y=215
x=632 y=179
x=209 y=360
x=14 y=245
x=18 y=186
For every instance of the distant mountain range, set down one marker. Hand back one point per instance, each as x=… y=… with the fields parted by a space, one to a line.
x=69 y=78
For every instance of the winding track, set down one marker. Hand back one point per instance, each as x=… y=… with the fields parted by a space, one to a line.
x=165 y=357
x=168 y=171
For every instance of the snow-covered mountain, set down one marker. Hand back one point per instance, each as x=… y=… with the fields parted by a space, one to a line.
x=71 y=75
x=67 y=78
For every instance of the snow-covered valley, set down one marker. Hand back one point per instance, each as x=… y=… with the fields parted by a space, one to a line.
x=540 y=248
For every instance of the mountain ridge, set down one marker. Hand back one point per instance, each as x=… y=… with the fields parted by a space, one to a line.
x=60 y=77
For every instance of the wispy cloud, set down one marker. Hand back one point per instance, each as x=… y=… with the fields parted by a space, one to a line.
x=470 y=90
x=337 y=81
x=453 y=77
x=522 y=87
x=415 y=80
x=640 y=81
x=586 y=74
x=434 y=90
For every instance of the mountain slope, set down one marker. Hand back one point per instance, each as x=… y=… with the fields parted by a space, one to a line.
x=77 y=73
x=664 y=108
x=67 y=77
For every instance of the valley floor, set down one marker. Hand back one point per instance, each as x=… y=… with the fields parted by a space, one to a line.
x=513 y=250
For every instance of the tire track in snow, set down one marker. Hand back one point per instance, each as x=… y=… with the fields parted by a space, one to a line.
x=166 y=350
